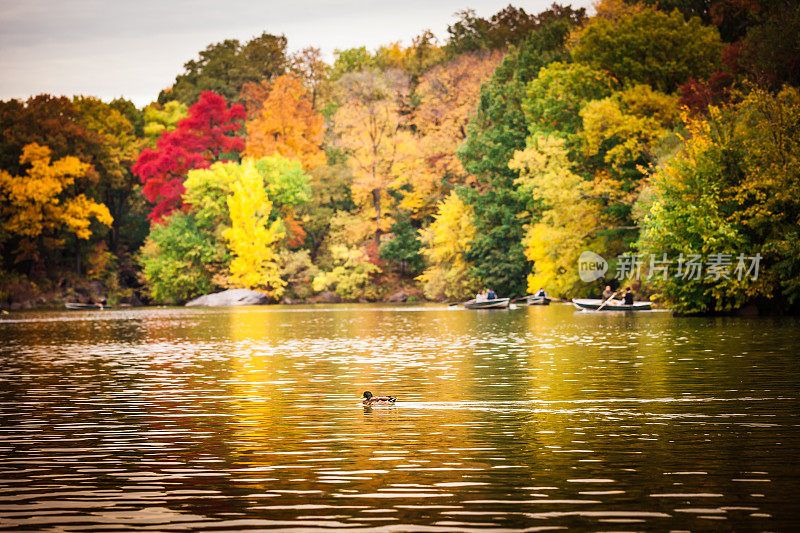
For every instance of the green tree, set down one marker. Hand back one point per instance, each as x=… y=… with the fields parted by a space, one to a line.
x=659 y=49
x=181 y=260
x=225 y=67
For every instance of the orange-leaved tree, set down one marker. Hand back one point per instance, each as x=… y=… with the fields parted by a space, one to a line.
x=447 y=96
x=287 y=125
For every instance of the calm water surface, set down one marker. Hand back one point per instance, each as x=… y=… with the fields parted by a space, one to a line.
x=537 y=419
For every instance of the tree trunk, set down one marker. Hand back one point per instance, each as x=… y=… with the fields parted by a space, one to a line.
x=376 y=200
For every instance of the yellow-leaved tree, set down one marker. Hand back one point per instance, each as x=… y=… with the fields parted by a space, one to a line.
x=445 y=242
x=252 y=238
x=38 y=209
x=570 y=217
x=369 y=123
x=287 y=124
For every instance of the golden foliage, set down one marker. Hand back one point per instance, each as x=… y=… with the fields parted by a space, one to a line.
x=445 y=242
x=39 y=204
x=252 y=238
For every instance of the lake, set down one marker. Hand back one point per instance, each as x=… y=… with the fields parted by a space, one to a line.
x=536 y=418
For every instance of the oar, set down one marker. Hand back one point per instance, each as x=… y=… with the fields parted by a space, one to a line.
x=604 y=303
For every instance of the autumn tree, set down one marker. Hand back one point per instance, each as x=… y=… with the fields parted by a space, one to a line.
x=732 y=189
x=287 y=125
x=251 y=237
x=160 y=118
x=39 y=208
x=499 y=128
x=446 y=96
x=224 y=68
x=205 y=136
x=445 y=245
x=369 y=125
x=308 y=65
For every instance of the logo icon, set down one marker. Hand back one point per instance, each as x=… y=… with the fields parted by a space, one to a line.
x=591 y=266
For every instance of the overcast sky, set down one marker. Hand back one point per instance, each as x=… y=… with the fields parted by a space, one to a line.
x=135 y=48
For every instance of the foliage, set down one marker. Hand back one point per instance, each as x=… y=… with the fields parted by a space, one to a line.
x=659 y=49
x=252 y=238
x=447 y=240
x=159 y=118
x=203 y=137
x=403 y=249
x=446 y=96
x=45 y=120
x=287 y=125
x=351 y=277
x=509 y=26
x=39 y=207
x=555 y=242
x=180 y=260
x=554 y=98
x=733 y=189
x=224 y=68
x=368 y=124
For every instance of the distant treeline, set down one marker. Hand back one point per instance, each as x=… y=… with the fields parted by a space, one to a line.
x=650 y=133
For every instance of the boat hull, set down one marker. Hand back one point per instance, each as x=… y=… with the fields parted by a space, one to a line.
x=79 y=307
x=536 y=300
x=595 y=305
x=497 y=303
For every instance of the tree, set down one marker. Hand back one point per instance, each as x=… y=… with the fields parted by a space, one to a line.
x=116 y=185
x=48 y=121
x=445 y=245
x=38 y=208
x=224 y=68
x=497 y=130
x=181 y=259
x=403 y=249
x=205 y=136
x=252 y=238
x=308 y=65
x=659 y=49
x=351 y=275
x=569 y=215
x=554 y=98
x=446 y=97
x=369 y=125
x=160 y=118
x=287 y=125
x=732 y=189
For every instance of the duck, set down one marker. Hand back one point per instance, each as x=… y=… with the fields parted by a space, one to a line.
x=369 y=399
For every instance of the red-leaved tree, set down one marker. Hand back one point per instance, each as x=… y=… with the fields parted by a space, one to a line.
x=207 y=135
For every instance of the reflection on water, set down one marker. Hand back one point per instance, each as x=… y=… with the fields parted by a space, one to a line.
x=535 y=418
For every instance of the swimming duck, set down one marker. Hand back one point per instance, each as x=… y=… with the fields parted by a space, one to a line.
x=369 y=399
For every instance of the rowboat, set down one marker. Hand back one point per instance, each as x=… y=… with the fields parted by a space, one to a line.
x=594 y=305
x=535 y=300
x=496 y=303
x=76 y=306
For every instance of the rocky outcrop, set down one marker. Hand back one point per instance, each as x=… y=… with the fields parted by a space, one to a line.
x=230 y=298
x=398 y=297
x=326 y=297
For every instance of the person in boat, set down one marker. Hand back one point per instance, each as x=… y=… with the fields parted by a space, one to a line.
x=490 y=295
x=102 y=302
x=627 y=298
x=607 y=292
x=481 y=296
x=541 y=294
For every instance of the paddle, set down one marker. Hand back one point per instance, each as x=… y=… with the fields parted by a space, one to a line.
x=604 y=303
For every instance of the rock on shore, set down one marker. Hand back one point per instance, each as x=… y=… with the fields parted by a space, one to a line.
x=230 y=298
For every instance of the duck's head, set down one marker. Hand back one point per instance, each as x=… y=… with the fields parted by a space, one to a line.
x=367 y=395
